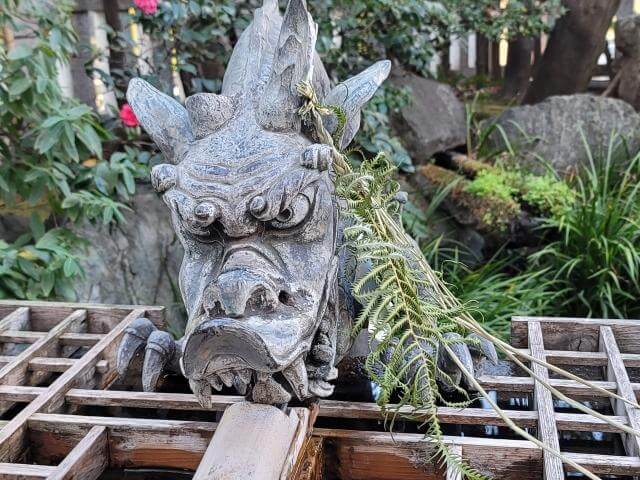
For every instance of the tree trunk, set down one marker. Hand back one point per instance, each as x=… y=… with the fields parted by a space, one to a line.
x=117 y=57
x=518 y=69
x=482 y=55
x=573 y=49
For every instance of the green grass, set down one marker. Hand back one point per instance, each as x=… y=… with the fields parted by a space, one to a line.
x=596 y=251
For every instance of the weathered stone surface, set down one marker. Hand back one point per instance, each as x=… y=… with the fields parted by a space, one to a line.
x=434 y=121
x=136 y=262
x=555 y=130
x=250 y=196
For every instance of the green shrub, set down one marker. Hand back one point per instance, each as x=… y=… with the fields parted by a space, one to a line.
x=596 y=253
x=51 y=153
x=493 y=183
x=496 y=289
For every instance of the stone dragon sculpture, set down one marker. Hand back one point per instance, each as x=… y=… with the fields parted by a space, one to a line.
x=264 y=280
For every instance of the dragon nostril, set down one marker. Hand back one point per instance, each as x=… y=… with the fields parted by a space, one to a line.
x=205 y=211
x=285 y=298
x=257 y=205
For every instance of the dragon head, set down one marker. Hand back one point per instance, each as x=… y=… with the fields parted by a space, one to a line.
x=251 y=199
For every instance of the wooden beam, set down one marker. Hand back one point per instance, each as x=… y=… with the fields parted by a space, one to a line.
x=568 y=387
x=88 y=460
x=101 y=318
x=69 y=339
x=15 y=372
x=18 y=471
x=365 y=455
x=547 y=430
x=617 y=372
x=13 y=318
x=143 y=443
x=589 y=359
x=311 y=463
x=12 y=436
x=606 y=464
x=18 y=319
x=267 y=448
x=53 y=364
x=328 y=408
x=578 y=334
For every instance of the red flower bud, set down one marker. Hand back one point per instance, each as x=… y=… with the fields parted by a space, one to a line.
x=148 y=7
x=128 y=117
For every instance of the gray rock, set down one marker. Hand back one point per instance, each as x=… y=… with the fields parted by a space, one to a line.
x=135 y=263
x=12 y=226
x=434 y=121
x=555 y=130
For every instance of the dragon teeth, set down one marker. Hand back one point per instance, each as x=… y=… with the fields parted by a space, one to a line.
x=215 y=382
x=245 y=375
x=226 y=377
x=202 y=390
x=296 y=375
x=239 y=385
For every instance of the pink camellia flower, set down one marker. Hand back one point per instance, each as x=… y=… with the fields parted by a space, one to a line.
x=148 y=7
x=128 y=117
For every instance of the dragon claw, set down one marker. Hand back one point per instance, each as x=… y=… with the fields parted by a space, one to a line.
x=160 y=351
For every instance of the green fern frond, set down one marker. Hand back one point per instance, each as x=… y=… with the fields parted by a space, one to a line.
x=411 y=310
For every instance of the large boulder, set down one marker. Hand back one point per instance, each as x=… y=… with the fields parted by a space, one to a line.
x=433 y=121
x=136 y=262
x=556 y=129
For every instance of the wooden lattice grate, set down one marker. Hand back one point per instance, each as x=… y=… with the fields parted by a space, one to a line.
x=58 y=360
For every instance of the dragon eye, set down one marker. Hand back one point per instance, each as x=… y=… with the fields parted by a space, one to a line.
x=294 y=214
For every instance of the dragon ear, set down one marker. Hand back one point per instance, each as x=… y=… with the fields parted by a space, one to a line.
x=351 y=95
x=164 y=119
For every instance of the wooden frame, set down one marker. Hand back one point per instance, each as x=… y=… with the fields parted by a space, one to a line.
x=59 y=360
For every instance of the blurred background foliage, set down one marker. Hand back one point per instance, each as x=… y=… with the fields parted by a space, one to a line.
x=61 y=163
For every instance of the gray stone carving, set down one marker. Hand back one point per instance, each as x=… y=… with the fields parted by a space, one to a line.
x=252 y=202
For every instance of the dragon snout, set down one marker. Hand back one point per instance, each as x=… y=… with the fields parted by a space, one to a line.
x=240 y=292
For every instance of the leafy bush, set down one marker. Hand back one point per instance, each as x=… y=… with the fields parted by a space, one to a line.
x=497 y=290
x=52 y=167
x=545 y=194
x=42 y=269
x=494 y=290
x=596 y=253
x=195 y=37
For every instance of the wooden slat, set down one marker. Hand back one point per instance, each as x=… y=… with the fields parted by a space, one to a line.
x=53 y=364
x=590 y=359
x=547 y=430
x=17 y=471
x=13 y=434
x=311 y=463
x=18 y=319
x=617 y=372
x=606 y=464
x=263 y=450
x=372 y=455
x=582 y=334
x=364 y=455
x=69 y=339
x=101 y=318
x=13 y=318
x=568 y=387
x=133 y=442
x=15 y=372
x=88 y=460
x=328 y=408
